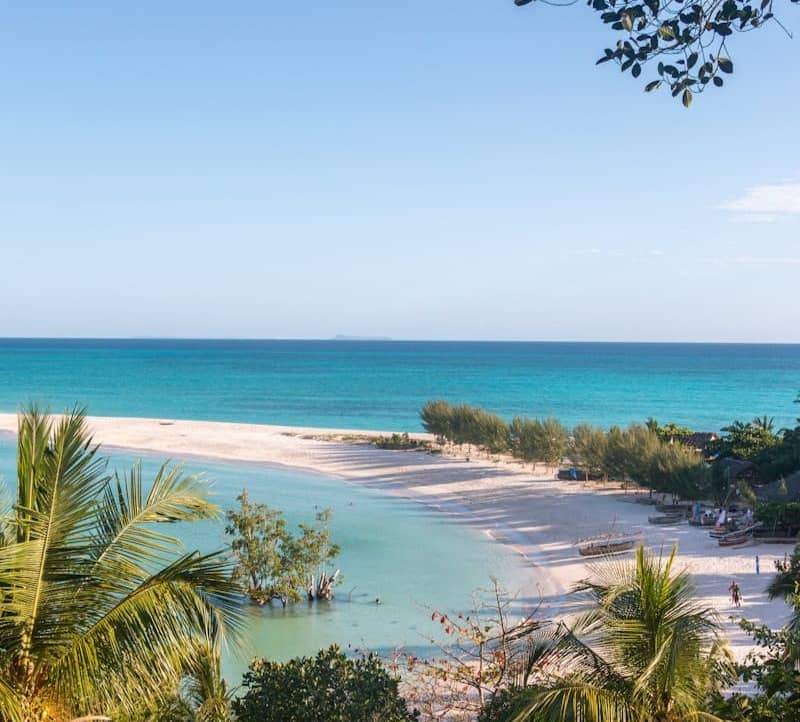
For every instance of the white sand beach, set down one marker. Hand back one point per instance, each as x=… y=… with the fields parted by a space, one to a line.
x=537 y=515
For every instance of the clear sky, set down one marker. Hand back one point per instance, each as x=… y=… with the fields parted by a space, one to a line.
x=417 y=169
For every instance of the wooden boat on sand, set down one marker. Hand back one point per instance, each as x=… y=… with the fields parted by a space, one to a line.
x=739 y=537
x=666 y=519
x=607 y=544
x=601 y=548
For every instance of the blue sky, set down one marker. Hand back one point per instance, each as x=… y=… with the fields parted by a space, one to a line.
x=424 y=169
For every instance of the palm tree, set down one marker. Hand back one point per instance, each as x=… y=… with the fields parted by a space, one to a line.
x=646 y=651
x=764 y=422
x=99 y=610
x=202 y=696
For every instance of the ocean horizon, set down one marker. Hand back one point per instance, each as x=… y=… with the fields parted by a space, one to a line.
x=381 y=384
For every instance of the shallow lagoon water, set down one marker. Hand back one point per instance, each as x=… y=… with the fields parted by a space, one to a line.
x=412 y=558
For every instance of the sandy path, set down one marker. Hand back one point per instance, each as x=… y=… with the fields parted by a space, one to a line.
x=540 y=517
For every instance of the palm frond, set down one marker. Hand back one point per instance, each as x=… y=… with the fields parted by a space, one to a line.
x=644 y=645
x=100 y=610
x=191 y=599
x=125 y=540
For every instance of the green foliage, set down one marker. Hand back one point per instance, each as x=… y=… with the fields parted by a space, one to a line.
x=101 y=609
x=327 y=688
x=201 y=696
x=271 y=562
x=435 y=417
x=645 y=649
x=509 y=704
x=464 y=424
x=493 y=433
x=398 y=442
x=690 y=42
x=747 y=442
x=538 y=439
x=783 y=458
x=785 y=582
x=638 y=453
x=672 y=433
x=589 y=448
x=776 y=514
x=648 y=455
x=527 y=439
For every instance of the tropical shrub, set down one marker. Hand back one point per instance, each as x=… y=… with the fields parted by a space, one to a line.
x=330 y=687
x=398 y=442
x=589 y=446
x=538 y=439
x=775 y=514
x=436 y=419
x=271 y=563
x=745 y=441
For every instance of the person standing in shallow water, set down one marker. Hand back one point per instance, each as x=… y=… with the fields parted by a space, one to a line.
x=736 y=594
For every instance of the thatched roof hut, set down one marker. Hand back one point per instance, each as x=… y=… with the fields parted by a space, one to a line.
x=785 y=490
x=700 y=441
x=736 y=469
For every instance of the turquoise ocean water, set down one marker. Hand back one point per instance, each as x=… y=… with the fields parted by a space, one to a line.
x=381 y=385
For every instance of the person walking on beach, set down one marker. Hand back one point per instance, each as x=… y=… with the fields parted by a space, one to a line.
x=736 y=594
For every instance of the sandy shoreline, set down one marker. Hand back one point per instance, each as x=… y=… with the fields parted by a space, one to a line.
x=534 y=514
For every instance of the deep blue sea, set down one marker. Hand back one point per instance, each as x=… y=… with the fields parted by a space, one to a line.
x=382 y=384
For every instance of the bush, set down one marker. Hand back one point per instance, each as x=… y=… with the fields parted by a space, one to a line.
x=779 y=514
x=436 y=419
x=398 y=442
x=327 y=688
x=538 y=439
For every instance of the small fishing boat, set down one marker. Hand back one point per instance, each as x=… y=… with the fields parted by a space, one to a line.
x=666 y=519
x=610 y=543
x=604 y=548
x=744 y=531
x=736 y=541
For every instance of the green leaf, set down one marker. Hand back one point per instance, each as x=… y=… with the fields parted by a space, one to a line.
x=690 y=63
x=652 y=86
x=687 y=98
x=718 y=81
x=725 y=65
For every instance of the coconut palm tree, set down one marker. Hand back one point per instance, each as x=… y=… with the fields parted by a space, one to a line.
x=646 y=651
x=99 y=609
x=764 y=422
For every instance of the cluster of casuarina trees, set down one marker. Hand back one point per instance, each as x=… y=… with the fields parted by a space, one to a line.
x=645 y=453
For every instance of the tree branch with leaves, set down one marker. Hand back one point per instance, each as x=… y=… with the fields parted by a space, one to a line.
x=688 y=41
